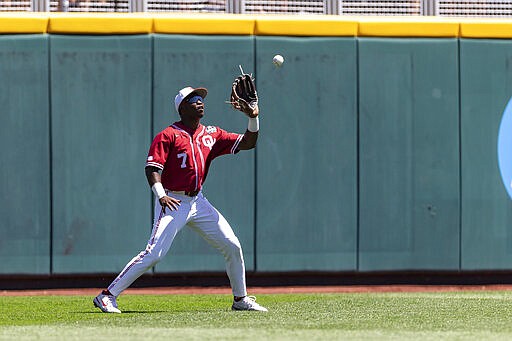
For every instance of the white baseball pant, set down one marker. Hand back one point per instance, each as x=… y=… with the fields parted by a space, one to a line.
x=198 y=214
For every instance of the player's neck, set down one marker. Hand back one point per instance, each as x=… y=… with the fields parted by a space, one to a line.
x=191 y=124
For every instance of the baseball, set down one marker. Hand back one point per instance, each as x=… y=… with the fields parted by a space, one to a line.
x=278 y=60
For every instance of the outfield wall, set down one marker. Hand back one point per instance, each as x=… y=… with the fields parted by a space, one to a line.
x=377 y=150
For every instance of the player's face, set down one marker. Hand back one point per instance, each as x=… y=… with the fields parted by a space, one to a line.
x=193 y=106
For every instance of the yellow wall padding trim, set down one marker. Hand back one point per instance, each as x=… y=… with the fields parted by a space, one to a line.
x=486 y=28
x=112 y=23
x=227 y=24
x=312 y=25
x=240 y=24
x=408 y=27
x=23 y=22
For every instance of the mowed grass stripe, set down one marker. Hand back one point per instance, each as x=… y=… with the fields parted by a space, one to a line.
x=403 y=316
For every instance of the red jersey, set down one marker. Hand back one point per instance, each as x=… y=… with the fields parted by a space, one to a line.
x=184 y=155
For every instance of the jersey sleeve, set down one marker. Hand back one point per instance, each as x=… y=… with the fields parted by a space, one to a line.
x=227 y=143
x=159 y=150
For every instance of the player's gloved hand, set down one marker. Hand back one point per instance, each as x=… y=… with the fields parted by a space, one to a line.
x=244 y=96
x=169 y=202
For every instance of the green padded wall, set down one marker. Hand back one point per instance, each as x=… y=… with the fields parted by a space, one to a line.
x=390 y=135
x=211 y=62
x=306 y=159
x=24 y=141
x=101 y=115
x=486 y=87
x=409 y=154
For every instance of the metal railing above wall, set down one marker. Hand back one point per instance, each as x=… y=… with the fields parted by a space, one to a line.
x=470 y=8
x=20 y=5
x=90 y=6
x=381 y=7
x=213 y=6
x=284 y=7
x=496 y=8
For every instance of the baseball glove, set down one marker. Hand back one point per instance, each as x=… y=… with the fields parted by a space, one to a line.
x=244 y=96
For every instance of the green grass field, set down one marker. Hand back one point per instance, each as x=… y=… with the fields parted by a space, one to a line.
x=375 y=316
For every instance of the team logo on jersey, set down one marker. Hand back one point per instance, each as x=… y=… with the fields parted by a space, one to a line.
x=208 y=141
x=211 y=129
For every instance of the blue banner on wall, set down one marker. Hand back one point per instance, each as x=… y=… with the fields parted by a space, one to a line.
x=505 y=148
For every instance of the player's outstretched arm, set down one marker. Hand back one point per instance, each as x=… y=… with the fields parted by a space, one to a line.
x=251 y=134
x=248 y=141
x=245 y=98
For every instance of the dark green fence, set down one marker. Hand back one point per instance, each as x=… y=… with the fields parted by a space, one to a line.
x=374 y=154
x=408 y=154
x=25 y=155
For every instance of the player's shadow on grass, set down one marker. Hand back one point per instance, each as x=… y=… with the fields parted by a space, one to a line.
x=144 y=311
x=124 y=312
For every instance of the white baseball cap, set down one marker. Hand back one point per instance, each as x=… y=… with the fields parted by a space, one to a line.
x=185 y=92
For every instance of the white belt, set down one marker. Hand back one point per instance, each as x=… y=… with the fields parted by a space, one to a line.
x=187 y=193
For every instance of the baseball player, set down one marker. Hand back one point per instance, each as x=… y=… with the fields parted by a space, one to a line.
x=176 y=168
